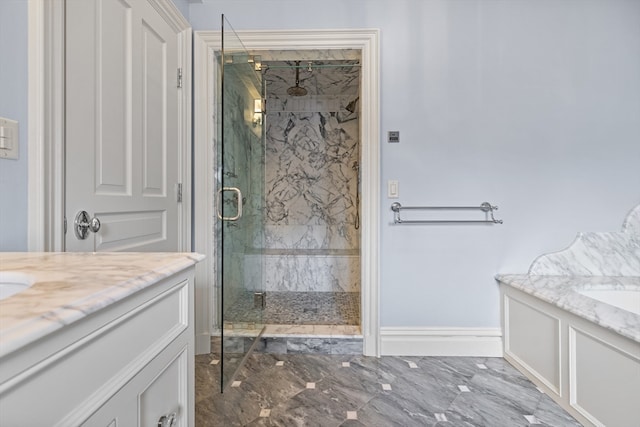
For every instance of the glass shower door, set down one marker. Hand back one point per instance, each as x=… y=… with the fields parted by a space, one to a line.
x=240 y=199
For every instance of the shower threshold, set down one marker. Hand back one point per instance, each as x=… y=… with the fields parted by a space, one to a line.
x=310 y=339
x=319 y=331
x=298 y=322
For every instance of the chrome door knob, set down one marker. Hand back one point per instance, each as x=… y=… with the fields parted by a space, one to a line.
x=84 y=224
x=167 y=420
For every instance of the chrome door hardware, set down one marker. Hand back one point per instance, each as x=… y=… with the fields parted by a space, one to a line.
x=167 y=420
x=84 y=224
x=239 y=197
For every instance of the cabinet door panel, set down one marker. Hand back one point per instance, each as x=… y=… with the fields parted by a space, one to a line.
x=119 y=411
x=167 y=394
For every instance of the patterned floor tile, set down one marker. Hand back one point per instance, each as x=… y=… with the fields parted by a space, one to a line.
x=428 y=395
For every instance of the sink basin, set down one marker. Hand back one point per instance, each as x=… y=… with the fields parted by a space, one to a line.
x=13 y=282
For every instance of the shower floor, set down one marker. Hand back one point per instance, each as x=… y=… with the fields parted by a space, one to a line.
x=298 y=308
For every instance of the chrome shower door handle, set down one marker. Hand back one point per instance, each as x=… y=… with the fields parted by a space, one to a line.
x=239 y=196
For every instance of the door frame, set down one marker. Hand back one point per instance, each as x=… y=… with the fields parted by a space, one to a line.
x=206 y=43
x=46 y=133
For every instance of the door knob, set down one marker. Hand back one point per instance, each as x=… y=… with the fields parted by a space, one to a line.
x=83 y=224
x=167 y=420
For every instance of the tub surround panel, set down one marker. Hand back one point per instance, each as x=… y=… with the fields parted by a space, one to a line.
x=595 y=346
x=62 y=293
x=591 y=355
x=543 y=359
x=597 y=254
x=586 y=355
x=563 y=292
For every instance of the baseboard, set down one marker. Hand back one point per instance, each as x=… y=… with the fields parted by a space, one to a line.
x=203 y=343
x=417 y=341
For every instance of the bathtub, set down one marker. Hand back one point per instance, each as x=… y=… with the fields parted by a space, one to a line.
x=578 y=339
x=626 y=299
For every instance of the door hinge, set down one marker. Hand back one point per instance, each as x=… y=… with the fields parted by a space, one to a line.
x=179 y=192
x=65 y=225
x=179 y=78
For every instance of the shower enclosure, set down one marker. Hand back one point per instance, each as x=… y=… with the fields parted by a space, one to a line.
x=239 y=188
x=287 y=181
x=312 y=212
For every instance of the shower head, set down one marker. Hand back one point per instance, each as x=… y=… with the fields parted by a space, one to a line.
x=297 y=90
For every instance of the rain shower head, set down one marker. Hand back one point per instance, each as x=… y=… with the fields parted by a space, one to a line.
x=297 y=90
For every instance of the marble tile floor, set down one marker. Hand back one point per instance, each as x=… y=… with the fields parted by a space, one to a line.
x=302 y=308
x=347 y=390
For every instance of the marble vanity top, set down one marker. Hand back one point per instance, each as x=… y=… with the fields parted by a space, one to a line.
x=71 y=285
x=563 y=291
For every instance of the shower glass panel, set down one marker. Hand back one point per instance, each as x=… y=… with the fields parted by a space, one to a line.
x=240 y=202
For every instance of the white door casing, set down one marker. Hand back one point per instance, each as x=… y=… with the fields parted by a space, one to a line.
x=206 y=43
x=163 y=26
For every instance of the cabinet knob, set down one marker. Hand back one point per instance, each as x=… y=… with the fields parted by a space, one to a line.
x=167 y=420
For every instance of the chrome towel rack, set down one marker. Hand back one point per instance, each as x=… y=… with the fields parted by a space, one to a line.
x=485 y=207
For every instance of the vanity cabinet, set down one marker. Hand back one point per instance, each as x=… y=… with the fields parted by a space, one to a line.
x=131 y=363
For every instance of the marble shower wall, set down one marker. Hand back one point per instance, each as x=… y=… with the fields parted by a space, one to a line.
x=312 y=236
x=312 y=159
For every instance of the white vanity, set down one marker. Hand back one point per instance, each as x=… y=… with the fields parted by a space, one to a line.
x=102 y=339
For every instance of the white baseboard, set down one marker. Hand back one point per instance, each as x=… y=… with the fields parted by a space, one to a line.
x=203 y=343
x=425 y=341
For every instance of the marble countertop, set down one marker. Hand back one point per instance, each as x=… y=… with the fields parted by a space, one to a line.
x=562 y=291
x=71 y=285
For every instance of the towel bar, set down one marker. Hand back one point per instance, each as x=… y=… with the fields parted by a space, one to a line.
x=484 y=207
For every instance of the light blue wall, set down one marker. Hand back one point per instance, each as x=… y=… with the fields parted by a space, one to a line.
x=13 y=105
x=533 y=105
x=183 y=7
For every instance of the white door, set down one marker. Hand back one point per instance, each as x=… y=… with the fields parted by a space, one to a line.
x=123 y=152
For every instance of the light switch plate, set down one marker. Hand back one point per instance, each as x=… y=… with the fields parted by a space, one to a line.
x=393 y=190
x=9 y=139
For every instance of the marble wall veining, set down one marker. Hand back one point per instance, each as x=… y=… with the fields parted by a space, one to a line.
x=597 y=254
x=311 y=181
x=312 y=158
x=312 y=217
